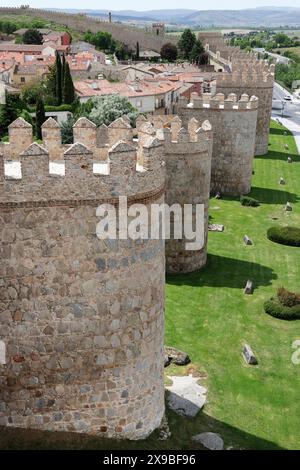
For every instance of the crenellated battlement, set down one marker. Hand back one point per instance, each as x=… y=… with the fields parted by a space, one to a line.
x=52 y=173
x=219 y=102
x=245 y=77
x=195 y=138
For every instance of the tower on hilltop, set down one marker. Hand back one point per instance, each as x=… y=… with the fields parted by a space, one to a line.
x=158 y=29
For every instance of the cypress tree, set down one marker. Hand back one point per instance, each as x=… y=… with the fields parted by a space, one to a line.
x=40 y=118
x=63 y=70
x=137 y=57
x=58 y=84
x=68 y=87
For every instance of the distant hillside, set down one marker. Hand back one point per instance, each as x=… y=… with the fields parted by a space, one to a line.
x=263 y=16
x=121 y=32
x=175 y=15
x=272 y=17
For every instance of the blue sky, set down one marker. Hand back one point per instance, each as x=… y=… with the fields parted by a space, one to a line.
x=152 y=4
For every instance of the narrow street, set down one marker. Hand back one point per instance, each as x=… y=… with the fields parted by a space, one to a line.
x=290 y=117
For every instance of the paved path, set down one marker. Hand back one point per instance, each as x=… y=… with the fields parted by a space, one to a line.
x=291 y=116
x=293 y=127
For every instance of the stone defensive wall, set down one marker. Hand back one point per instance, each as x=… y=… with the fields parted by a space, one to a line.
x=256 y=78
x=233 y=124
x=187 y=154
x=82 y=318
x=242 y=74
x=83 y=23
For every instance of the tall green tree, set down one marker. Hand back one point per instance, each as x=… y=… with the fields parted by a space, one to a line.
x=169 y=52
x=186 y=43
x=196 y=52
x=9 y=112
x=137 y=55
x=68 y=92
x=32 y=36
x=58 y=78
x=40 y=118
x=63 y=68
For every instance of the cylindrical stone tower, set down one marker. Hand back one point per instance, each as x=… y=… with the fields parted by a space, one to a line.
x=234 y=129
x=188 y=171
x=81 y=325
x=254 y=79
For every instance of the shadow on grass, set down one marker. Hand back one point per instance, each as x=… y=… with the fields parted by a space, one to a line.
x=280 y=131
x=182 y=430
x=226 y=272
x=273 y=155
x=273 y=196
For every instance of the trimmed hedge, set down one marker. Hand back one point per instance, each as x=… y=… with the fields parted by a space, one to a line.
x=249 y=201
x=277 y=310
x=53 y=109
x=284 y=235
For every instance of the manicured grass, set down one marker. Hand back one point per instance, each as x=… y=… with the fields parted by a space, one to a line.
x=209 y=316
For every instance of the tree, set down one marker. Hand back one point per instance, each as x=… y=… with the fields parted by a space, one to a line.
x=108 y=108
x=121 y=51
x=169 y=52
x=9 y=112
x=63 y=68
x=186 y=43
x=40 y=118
x=68 y=93
x=204 y=59
x=137 y=55
x=58 y=78
x=66 y=130
x=196 y=52
x=102 y=40
x=32 y=36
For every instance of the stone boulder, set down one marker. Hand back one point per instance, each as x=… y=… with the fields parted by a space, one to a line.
x=210 y=440
x=175 y=356
x=249 y=355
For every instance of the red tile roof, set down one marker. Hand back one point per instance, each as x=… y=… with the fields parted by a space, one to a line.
x=87 y=88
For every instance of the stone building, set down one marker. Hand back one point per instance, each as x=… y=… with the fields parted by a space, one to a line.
x=158 y=29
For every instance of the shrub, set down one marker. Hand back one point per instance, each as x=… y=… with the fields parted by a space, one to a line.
x=53 y=109
x=277 y=310
x=66 y=130
x=284 y=235
x=287 y=298
x=249 y=201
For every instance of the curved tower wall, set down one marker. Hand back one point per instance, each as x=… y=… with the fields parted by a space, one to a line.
x=188 y=170
x=82 y=319
x=234 y=129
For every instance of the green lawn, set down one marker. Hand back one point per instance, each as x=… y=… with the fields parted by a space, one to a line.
x=209 y=316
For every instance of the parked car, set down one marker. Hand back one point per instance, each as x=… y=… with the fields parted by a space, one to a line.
x=287 y=98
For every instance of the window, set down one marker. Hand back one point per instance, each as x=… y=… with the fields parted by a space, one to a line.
x=2 y=353
x=22 y=79
x=139 y=104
